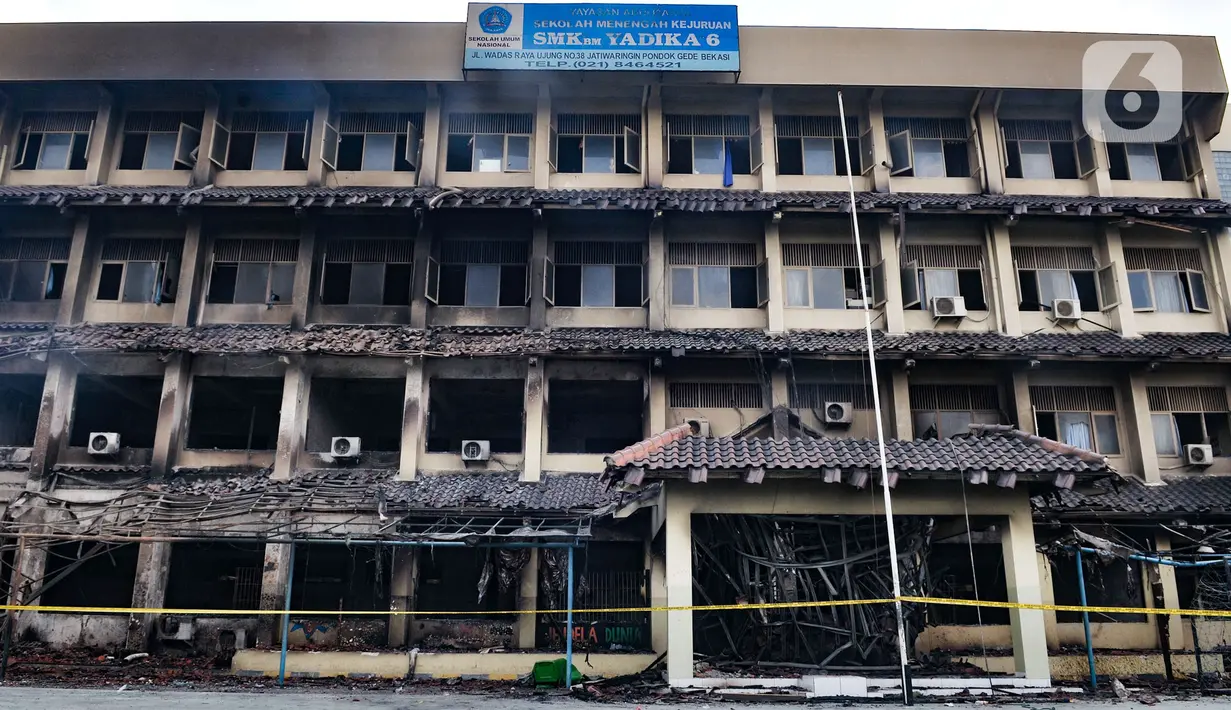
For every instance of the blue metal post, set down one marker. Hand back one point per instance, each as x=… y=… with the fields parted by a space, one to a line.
x=286 y=617
x=1085 y=621
x=568 y=627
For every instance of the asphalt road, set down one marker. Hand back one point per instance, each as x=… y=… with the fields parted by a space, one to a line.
x=23 y=698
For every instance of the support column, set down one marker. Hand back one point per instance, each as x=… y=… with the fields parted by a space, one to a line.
x=316 y=136
x=655 y=133
x=103 y=138
x=1004 y=278
x=1207 y=180
x=1171 y=595
x=528 y=600
x=81 y=261
x=54 y=414
x=887 y=233
x=1021 y=402
x=414 y=409
x=679 y=590
x=1141 y=428
x=432 y=138
x=1220 y=263
x=773 y=267
x=9 y=118
x=293 y=422
x=277 y=571
x=657 y=400
x=301 y=299
x=203 y=170
x=903 y=424
x=1099 y=181
x=658 y=275
x=536 y=399
x=1049 y=597
x=769 y=147
x=423 y=251
x=1022 y=576
x=538 y=252
x=172 y=413
x=1111 y=251
x=188 y=281
x=542 y=138
x=880 y=143
x=989 y=141
x=402 y=580
x=658 y=599
x=149 y=592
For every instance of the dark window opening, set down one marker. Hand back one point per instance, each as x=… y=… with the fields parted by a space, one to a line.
x=29 y=281
x=369 y=408
x=957 y=159
x=222 y=283
x=950 y=571
x=20 y=398
x=454 y=416
x=1064 y=161
x=251 y=282
x=366 y=284
x=215 y=575
x=53 y=151
x=110 y=279
x=460 y=153
x=1170 y=165
x=341 y=577
x=1116 y=583
x=593 y=416
x=1117 y=160
x=482 y=285
x=266 y=151
x=569 y=154
x=125 y=405
x=626 y=281
x=816 y=156
x=449 y=581
x=744 y=287
x=235 y=413
x=1190 y=427
x=105 y=578
x=1036 y=296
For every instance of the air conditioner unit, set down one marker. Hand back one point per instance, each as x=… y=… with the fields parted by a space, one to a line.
x=1066 y=309
x=476 y=450
x=839 y=414
x=173 y=628
x=700 y=426
x=854 y=303
x=1199 y=454
x=948 y=307
x=344 y=447
x=103 y=443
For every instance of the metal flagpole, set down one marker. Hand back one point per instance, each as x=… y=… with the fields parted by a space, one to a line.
x=907 y=695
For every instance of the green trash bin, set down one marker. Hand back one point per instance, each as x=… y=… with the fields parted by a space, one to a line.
x=551 y=672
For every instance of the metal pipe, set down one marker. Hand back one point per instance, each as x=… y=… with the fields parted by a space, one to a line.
x=1085 y=621
x=286 y=618
x=282 y=540
x=568 y=627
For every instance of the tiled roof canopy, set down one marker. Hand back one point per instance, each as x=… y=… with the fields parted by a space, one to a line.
x=401 y=341
x=1204 y=496
x=691 y=200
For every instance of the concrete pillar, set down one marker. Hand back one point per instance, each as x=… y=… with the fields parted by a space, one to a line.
x=895 y=315
x=1004 y=278
x=658 y=275
x=9 y=121
x=276 y=572
x=433 y=137
x=402 y=580
x=655 y=133
x=423 y=251
x=293 y=424
x=1220 y=263
x=301 y=299
x=189 y=281
x=1049 y=597
x=82 y=256
x=1111 y=251
x=1022 y=575
x=773 y=264
x=104 y=138
x=54 y=415
x=528 y=600
x=203 y=170
x=1021 y=401
x=989 y=142
x=903 y=425
x=658 y=599
x=149 y=592
x=542 y=138
x=414 y=419
x=657 y=399
x=769 y=146
x=880 y=143
x=1171 y=594
x=536 y=395
x=534 y=272
x=172 y=413
x=1099 y=181
x=678 y=529
x=316 y=137
x=1207 y=180
x=1140 y=429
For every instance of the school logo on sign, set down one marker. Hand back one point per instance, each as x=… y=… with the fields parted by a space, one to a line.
x=495 y=20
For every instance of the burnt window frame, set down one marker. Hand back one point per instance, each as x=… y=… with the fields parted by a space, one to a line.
x=248 y=255
x=37 y=125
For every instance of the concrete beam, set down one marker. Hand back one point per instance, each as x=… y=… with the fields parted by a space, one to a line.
x=880 y=143
x=433 y=137
x=316 y=137
x=1022 y=577
x=402 y=580
x=414 y=419
x=903 y=424
x=542 y=138
x=1004 y=278
x=149 y=592
x=538 y=253
x=656 y=419
x=419 y=304
x=293 y=424
x=769 y=146
x=188 y=296
x=82 y=256
x=655 y=157
x=274 y=576
x=103 y=139
x=203 y=170
x=678 y=529
x=658 y=275
x=527 y=600
x=775 y=308
x=1141 y=428
x=1110 y=250
x=172 y=413
x=895 y=315
x=54 y=415
x=535 y=400
x=301 y=299
x=989 y=141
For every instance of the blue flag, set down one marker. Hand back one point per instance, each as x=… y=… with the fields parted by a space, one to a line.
x=728 y=172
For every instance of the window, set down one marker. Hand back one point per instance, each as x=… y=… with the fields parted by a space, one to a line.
x=812 y=145
x=576 y=425
x=453 y=416
x=253 y=271
x=160 y=140
x=263 y=140
x=1079 y=416
x=235 y=413
x=33 y=269
x=931 y=147
x=1046 y=274
x=938 y=270
x=701 y=145
x=1171 y=158
x=54 y=140
x=127 y=406
x=945 y=411
x=827 y=276
x=715 y=395
x=489 y=142
x=814 y=396
x=367 y=407
x=139 y=270
x=1222 y=168
x=480 y=274
x=717 y=275
x=1189 y=415
x=1166 y=280
x=386 y=142
x=596 y=143
x=597 y=275
x=1045 y=150
x=367 y=272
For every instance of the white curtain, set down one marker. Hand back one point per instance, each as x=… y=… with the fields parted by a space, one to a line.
x=1168 y=296
x=1075 y=430
x=1055 y=284
x=939 y=282
x=1164 y=434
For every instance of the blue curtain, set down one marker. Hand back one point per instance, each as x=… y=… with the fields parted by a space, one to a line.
x=728 y=172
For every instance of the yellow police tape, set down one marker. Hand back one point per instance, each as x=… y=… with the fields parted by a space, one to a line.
x=1219 y=613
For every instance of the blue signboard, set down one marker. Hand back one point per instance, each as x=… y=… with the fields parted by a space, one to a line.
x=602 y=37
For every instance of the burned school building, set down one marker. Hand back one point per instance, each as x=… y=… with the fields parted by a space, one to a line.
x=391 y=315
